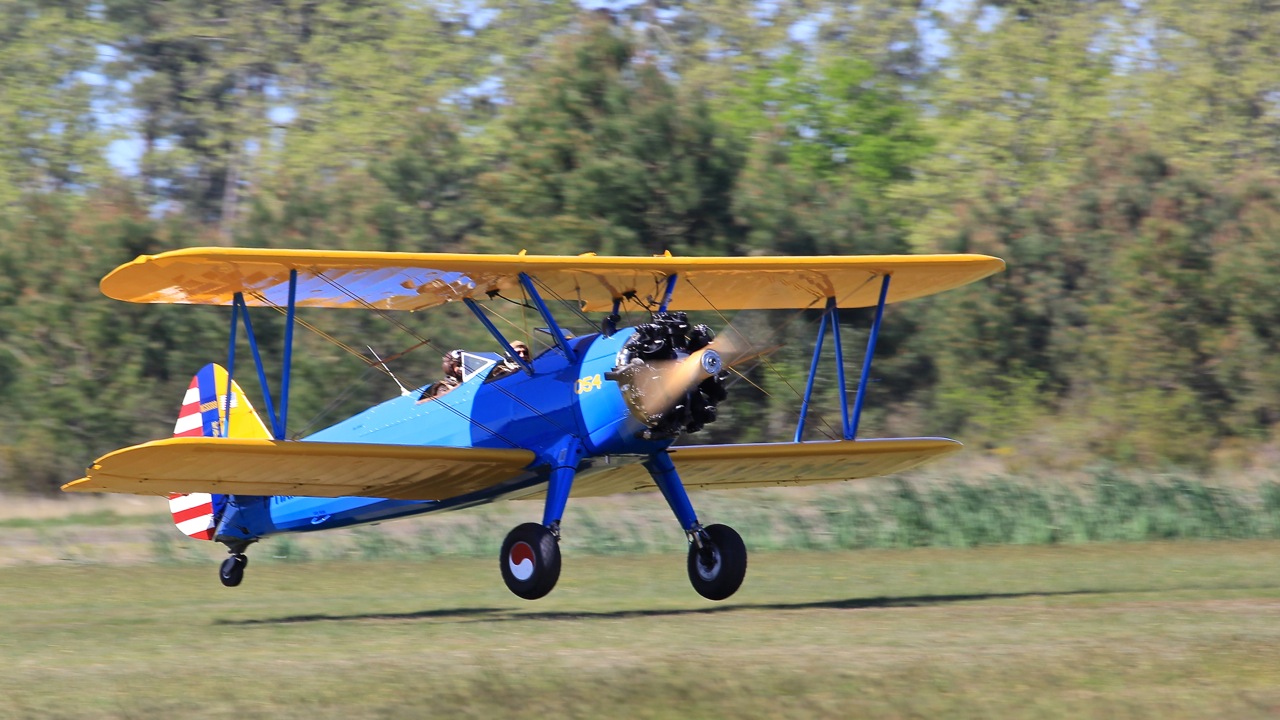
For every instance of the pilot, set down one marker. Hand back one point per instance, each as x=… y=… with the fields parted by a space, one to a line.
x=522 y=351
x=451 y=367
x=510 y=365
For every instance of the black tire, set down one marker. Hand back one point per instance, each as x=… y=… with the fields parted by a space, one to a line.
x=717 y=568
x=232 y=571
x=530 y=561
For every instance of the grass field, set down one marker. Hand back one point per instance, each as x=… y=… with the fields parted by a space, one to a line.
x=1134 y=630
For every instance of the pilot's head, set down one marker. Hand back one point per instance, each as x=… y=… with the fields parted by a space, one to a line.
x=522 y=350
x=451 y=364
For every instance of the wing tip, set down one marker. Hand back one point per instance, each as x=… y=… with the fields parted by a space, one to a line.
x=78 y=485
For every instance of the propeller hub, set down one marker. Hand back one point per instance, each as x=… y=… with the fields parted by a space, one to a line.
x=711 y=362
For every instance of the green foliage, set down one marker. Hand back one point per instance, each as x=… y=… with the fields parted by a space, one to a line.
x=1120 y=305
x=1002 y=511
x=49 y=136
x=603 y=154
x=203 y=76
x=837 y=119
x=432 y=174
x=829 y=141
x=83 y=370
x=1120 y=157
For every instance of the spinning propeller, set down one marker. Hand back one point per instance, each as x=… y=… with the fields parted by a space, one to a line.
x=672 y=374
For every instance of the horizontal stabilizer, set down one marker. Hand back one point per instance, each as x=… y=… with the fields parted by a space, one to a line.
x=235 y=466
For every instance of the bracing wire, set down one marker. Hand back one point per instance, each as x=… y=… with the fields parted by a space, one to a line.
x=370 y=364
x=312 y=328
x=765 y=360
x=335 y=402
x=517 y=398
x=575 y=308
x=518 y=303
x=370 y=306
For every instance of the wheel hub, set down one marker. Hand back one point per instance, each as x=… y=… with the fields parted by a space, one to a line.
x=521 y=561
x=708 y=562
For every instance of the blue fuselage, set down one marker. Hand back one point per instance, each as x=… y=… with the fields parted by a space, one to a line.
x=563 y=398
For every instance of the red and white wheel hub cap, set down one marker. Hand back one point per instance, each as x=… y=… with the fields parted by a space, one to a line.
x=521 y=561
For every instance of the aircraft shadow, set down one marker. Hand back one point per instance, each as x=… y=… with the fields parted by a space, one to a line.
x=509 y=614
x=455 y=613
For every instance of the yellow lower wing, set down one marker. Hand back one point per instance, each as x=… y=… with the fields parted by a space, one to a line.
x=270 y=467
x=724 y=467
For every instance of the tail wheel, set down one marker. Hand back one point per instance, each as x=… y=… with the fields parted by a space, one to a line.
x=232 y=570
x=530 y=561
x=717 y=568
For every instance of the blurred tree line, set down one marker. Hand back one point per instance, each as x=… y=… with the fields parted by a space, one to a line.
x=1121 y=156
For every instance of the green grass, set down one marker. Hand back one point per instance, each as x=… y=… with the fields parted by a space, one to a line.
x=891 y=513
x=96 y=518
x=1133 y=630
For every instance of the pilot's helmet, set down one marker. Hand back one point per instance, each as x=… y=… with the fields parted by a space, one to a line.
x=521 y=349
x=452 y=362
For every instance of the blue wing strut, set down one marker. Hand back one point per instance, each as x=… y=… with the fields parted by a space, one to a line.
x=497 y=335
x=239 y=309
x=849 y=421
x=552 y=325
x=851 y=430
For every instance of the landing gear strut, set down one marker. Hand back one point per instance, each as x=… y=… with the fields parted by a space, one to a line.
x=530 y=557
x=232 y=570
x=717 y=555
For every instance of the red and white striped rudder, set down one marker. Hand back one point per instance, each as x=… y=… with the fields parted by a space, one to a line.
x=205 y=413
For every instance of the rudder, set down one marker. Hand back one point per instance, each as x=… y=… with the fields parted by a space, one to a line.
x=206 y=413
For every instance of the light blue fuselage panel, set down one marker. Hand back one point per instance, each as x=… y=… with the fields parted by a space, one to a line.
x=564 y=397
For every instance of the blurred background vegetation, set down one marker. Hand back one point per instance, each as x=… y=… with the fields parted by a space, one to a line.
x=1121 y=156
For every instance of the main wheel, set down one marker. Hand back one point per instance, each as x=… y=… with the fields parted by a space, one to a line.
x=530 y=561
x=717 y=568
x=232 y=570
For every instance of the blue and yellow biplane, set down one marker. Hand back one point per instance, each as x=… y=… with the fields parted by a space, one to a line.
x=594 y=414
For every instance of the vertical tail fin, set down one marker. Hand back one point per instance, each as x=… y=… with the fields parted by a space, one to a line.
x=207 y=411
x=204 y=409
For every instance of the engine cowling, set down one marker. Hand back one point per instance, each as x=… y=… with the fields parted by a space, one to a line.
x=671 y=380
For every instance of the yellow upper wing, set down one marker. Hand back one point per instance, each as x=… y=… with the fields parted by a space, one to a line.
x=237 y=466
x=414 y=281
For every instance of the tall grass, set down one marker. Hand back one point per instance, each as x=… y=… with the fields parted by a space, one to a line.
x=1107 y=507
x=891 y=513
